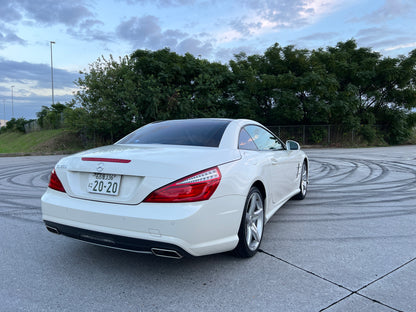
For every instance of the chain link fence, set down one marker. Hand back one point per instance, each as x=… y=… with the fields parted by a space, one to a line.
x=32 y=126
x=328 y=135
x=323 y=135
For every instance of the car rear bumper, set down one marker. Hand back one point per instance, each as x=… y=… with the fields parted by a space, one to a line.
x=197 y=229
x=119 y=242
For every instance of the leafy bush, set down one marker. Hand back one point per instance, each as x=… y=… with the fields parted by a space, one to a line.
x=368 y=132
x=16 y=125
x=318 y=134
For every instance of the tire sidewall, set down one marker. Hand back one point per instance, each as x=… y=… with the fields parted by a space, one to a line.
x=302 y=195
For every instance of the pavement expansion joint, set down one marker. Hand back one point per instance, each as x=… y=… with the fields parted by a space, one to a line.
x=304 y=270
x=352 y=292
x=387 y=274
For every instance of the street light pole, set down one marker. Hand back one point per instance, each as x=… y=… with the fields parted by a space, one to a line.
x=51 y=43
x=12 y=103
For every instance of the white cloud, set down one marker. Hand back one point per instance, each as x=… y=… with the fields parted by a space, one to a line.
x=262 y=17
x=319 y=7
x=401 y=46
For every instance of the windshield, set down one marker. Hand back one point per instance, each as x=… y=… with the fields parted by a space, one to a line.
x=195 y=132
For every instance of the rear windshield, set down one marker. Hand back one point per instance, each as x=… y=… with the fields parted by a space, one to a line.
x=195 y=132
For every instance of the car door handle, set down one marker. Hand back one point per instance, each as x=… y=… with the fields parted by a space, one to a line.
x=274 y=161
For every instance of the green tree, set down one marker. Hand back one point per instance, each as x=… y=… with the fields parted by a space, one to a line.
x=108 y=94
x=345 y=85
x=174 y=86
x=370 y=87
x=116 y=97
x=51 y=117
x=16 y=124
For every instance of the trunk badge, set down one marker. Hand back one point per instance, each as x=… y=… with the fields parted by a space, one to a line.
x=100 y=167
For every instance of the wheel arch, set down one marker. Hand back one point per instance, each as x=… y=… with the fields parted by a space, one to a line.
x=259 y=184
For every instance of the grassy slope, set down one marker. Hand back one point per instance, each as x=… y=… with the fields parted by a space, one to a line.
x=44 y=142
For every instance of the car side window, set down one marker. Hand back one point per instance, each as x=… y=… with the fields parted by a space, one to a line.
x=245 y=141
x=264 y=139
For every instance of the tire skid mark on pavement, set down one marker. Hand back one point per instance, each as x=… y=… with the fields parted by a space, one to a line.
x=332 y=167
x=332 y=180
x=335 y=179
x=23 y=182
x=377 y=197
x=25 y=178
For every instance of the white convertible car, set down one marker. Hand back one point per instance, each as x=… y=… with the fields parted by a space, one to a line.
x=177 y=188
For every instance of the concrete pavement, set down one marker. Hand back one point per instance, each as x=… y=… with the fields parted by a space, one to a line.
x=349 y=246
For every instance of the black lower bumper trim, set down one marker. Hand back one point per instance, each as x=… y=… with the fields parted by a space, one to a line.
x=114 y=241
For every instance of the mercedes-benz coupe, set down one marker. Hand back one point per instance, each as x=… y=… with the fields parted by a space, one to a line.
x=176 y=188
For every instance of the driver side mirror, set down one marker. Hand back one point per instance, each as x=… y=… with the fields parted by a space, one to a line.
x=292 y=145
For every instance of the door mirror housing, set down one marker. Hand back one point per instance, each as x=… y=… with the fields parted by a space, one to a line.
x=292 y=145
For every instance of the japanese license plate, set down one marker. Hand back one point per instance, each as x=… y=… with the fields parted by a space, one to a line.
x=103 y=183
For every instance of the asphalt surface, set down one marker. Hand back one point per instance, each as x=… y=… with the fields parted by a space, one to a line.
x=349 y=246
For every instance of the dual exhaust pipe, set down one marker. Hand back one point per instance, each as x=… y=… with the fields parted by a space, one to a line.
x=159 y=252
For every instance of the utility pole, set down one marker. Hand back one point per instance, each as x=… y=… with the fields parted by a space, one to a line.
x=12 y=103
x=51 y=43
x=4 y=109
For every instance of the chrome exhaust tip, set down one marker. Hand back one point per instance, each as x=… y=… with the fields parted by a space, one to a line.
x=52 y=229
x=166 y=253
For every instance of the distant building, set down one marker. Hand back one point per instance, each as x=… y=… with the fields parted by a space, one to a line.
x=3 y=123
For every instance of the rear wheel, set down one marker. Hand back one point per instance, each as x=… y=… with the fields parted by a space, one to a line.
x=303 y=184
x=250 y=233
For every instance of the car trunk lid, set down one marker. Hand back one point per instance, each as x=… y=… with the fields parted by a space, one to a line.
x=139 y=169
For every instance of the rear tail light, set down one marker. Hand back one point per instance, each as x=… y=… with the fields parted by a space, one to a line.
x=55 y=183
x=196 y=187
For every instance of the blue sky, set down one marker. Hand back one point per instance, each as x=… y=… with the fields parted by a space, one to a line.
x=215 y=30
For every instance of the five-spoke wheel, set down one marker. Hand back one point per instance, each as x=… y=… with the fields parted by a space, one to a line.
x=252 y=224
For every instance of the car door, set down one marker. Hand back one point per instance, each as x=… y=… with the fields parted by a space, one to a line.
x=277 y=159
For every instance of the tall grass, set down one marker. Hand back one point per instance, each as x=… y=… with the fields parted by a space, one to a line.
x=46 y=141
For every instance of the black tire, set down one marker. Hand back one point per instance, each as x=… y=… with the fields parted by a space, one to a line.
x=251 y=229
x=303 y=183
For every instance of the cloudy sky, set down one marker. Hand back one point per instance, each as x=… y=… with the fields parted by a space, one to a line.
x=213 y=29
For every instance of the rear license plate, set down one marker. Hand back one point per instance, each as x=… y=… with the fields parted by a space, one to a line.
x=103 y=183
